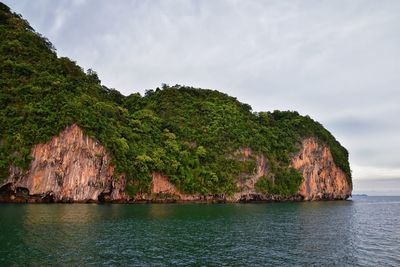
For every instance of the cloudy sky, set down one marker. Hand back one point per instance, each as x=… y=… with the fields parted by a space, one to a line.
x=337 y=61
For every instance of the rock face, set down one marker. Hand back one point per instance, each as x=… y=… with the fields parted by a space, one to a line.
x=163 y=190
x=161 y=185
x=246 y=183
x=71 y=167
x=322 y=179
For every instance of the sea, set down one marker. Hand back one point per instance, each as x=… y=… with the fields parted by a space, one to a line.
x=363 y=231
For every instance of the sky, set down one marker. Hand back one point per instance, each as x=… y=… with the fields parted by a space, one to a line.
x=337 y=61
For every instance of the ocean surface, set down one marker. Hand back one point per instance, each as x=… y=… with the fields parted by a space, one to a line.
x=364 y=231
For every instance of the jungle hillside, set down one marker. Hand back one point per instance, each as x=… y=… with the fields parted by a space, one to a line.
x=186 y=133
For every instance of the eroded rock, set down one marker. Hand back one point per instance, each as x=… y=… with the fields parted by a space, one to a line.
x=322 y=179
x=72 y=167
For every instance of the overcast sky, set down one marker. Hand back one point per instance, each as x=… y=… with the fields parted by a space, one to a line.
x=337 y=61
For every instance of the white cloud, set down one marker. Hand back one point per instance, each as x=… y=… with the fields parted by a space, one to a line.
x=372 y=173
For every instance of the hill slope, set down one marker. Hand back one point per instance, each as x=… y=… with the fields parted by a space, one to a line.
x=198 y=142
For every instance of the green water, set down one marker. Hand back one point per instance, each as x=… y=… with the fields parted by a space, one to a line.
x=362 y=232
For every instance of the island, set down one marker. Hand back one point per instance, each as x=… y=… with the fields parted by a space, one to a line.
x=66 y=137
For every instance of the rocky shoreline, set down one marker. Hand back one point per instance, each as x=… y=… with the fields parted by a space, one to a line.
x=21 y=195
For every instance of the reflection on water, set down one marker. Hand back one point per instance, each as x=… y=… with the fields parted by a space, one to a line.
x=161 y=211
x=359 y=233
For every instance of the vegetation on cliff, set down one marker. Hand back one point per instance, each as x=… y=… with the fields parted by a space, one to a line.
x=186 y=133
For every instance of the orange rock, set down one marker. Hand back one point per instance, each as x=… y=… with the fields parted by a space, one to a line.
x=72 y=166
x=161 y=184
x=321 y=177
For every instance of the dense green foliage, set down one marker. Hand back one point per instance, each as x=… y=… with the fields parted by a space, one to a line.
x=187 y=133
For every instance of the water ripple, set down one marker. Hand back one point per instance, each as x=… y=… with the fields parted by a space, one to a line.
x=361 y=232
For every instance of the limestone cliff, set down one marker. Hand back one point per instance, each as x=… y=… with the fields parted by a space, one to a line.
x=246 y=182
x=322 y=179
x=163 y=189
x=72 y=167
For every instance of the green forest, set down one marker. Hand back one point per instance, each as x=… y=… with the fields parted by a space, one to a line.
x=184 y=132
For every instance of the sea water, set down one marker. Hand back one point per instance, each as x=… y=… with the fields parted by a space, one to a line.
x=364 y=231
